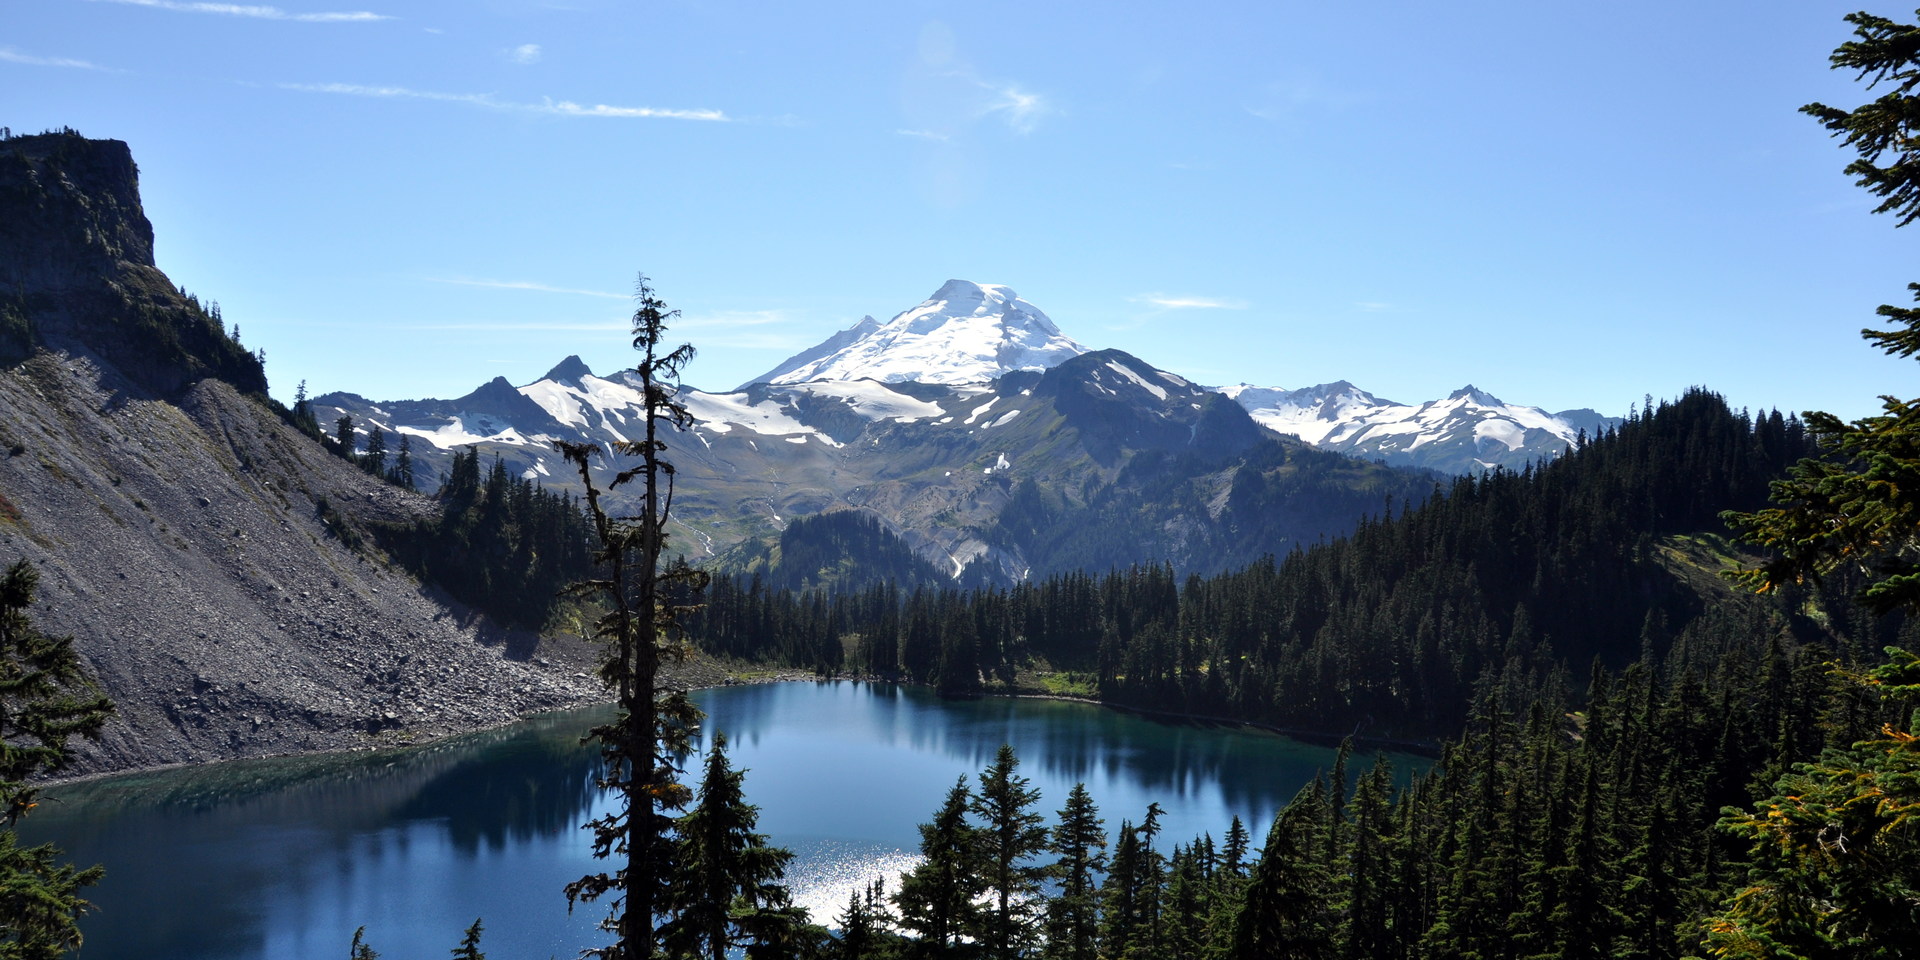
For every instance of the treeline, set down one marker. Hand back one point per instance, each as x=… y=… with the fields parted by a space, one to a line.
x=842 y=550
x=1509 y=581
x=501 y=544
x=1549 y=832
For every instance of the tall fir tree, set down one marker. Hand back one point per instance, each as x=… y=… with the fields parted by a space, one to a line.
x=1011 y=837
x=1835 y=849
x=1283 y=915
x=727 y=888
x=640 y=630
x=939 y=898
x=1079 y=844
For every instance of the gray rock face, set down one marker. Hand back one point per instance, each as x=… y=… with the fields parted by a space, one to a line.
x=77 y=272
x=200 y=551
x=197 y=554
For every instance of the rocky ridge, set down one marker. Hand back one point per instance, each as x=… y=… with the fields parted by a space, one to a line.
x=1470 y=431
x=211 y=562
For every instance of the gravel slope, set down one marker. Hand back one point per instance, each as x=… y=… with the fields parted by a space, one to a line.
x=181 y=543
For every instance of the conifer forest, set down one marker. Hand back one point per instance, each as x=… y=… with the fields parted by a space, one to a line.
x=1665 y=683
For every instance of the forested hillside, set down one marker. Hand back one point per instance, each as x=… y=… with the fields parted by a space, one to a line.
x=1615 y=706
x=1551 y=833
x=1511 y=582
x=504 y=544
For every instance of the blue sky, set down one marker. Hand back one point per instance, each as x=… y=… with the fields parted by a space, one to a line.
x=1564 y=204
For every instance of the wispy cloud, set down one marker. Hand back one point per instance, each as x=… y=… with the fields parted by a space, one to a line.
x=568 y=108
x=756 y=340
x=1021 y=110
x=734 y=319
x=358 y=90
x=944 y=94
x=523 y=285
x=525 y=54
x=734 y=329
x=564 y=108
x=1165 y=302
x=10 y=55
x=254 y=11
x=746 y=329
x=559 y=326
x=1372 y=306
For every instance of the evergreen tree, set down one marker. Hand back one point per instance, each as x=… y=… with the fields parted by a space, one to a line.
x=403 y=464
x=1863 y=500
x=725 y=889
x=1153 y=874
x=303 y=416
x=865 y=926
x=1834 y=849
x=469 y=948
x=959 y=670
x=1011 y=836
x=1367 y=867
x=46 y=699
x=343 y=442
x=640 y=629
x=1073 y=913
x=939 y=899
x=1184 y=925
x=1121 y=933
x=374 y=461
x=1233 y=854
x=1130 y=901
x=1283 y=916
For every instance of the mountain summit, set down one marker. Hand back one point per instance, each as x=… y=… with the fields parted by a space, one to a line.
x=1471 y=431
x=965 y=333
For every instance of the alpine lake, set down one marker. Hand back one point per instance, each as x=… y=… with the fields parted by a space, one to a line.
x=285 y=858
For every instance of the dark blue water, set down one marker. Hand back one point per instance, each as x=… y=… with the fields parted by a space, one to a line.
x=285 y=858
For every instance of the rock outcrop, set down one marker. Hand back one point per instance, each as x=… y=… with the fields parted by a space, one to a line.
x=211 y=561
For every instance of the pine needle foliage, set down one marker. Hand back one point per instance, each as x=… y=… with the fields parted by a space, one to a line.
x=641 y=630
x=46 y=700
x=1835 y=851
x=728 y=890
x=1012 y=834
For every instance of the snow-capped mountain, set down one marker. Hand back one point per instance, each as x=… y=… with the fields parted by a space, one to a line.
x=965 y=333
x=1467 y=432
x=1101 y=460
x=996 y=447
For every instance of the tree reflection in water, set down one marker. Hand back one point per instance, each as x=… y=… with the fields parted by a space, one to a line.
x=280 y=858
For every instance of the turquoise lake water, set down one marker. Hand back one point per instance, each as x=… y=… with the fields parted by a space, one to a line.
x=285 y=858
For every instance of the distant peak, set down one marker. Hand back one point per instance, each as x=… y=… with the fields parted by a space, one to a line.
x=569 y=370
x=966 y=332
x=968 y=290
x=1477 y=395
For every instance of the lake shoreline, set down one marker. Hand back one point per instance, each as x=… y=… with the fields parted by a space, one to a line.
x=705 y=674
x=697 y=674
x=1426 y=748
x=1422 y=747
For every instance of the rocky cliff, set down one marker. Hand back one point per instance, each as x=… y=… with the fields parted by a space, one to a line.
x=208 y=558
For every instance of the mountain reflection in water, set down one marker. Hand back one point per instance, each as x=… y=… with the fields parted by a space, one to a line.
x=285 y=858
